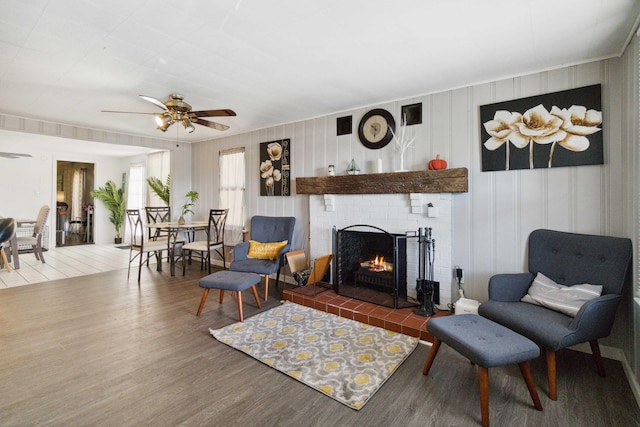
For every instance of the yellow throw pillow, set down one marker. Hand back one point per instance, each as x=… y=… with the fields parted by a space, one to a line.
x=265 y=250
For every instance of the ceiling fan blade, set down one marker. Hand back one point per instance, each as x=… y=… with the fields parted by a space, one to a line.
x=213 y=113
x=127 y=112
x=213 y=125
x=13 y=155
x=154 y=101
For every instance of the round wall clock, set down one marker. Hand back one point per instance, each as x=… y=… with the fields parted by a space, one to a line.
x=376 y=127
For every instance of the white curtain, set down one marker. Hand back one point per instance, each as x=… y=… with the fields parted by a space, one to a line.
x=136 y=185
x=232 y=192
x=77 y=193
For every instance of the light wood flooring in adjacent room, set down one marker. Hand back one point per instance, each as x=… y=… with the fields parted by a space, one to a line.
x=64 y=262
x=99 y=350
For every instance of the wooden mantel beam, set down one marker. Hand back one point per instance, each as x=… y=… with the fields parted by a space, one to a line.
x=440 y=181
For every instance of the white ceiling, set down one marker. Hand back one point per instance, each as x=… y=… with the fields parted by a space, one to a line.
x=280 y=61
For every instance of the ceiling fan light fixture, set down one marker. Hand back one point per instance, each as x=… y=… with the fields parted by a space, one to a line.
x=164 y=121
x=188 y=126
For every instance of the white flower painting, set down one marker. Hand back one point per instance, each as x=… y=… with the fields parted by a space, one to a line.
x=275 y=168
x=526 y=134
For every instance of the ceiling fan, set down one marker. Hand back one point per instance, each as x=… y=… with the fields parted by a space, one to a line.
x=176 y=110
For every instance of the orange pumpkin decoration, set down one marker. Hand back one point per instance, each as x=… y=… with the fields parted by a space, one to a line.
x=437 y=163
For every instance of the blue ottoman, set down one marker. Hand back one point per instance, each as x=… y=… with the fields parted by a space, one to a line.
x=488 y=345
x=229 y=281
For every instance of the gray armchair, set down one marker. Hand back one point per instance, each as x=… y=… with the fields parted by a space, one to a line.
x=568 y=259
x=264 y=229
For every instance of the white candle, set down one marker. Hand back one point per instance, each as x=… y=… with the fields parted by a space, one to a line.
x=379 y=165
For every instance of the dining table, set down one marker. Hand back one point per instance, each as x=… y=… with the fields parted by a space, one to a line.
x=173 y=229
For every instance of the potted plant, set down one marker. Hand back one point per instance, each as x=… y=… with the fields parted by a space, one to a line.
x=162 y=190
x=113 y=199
x=192 y=197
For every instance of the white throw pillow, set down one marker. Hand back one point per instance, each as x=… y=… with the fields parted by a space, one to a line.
x=565 y=299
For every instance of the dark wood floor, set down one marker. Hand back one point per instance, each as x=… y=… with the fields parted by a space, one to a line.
x=99 y=350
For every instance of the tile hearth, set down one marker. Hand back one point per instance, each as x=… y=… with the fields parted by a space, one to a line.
x=325 y=299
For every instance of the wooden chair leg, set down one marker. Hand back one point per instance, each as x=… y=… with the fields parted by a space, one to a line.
x=221 y=295
x=4 y=260
x=483 y=379
x=205 y=294
x=595 y=350
x=528 y=379
x=432 y=355
x=551 y=373
x=266 y=286
x=240 y=306
x=256 y=296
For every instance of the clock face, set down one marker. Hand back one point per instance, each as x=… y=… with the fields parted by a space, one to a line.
x=376 y=127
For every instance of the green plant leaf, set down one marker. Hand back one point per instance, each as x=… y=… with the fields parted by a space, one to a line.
x=193 y=198
x=163 y=191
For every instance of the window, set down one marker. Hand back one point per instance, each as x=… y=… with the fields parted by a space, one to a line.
x=231 y=164
x=136 y=186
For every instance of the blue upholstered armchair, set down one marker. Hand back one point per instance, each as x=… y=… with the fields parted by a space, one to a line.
x=567 y=259
x=264 y=229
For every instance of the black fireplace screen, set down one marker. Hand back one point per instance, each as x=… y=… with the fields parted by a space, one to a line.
x=371 y=265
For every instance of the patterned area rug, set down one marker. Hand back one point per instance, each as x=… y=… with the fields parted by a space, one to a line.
x=344 y=359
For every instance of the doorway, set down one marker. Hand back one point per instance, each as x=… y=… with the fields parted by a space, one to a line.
x=74 y=204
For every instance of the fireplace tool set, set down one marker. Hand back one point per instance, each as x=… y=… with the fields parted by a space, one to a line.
x=425 y=285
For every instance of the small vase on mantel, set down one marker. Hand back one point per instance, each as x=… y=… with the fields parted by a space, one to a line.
x=181 y=220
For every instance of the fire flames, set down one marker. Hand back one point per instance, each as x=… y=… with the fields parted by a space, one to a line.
x=377 y=264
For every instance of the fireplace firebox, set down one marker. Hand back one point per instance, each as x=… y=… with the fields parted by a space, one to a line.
x=371 y=265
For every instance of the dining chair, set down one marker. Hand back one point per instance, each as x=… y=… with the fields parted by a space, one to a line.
x=35 y=240
x=141 y=246
x=215 y=241
x=156 y=214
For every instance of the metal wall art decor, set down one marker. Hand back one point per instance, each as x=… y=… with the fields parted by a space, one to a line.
x=546 y=131
x=412 y=114
x=344 y=125
x=275 y=169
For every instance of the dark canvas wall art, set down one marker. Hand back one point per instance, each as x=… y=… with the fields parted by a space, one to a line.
x=547 y=131
x=275 y=169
